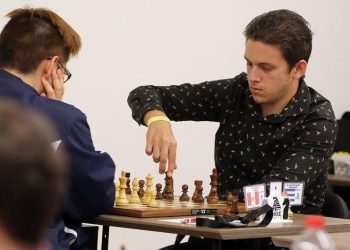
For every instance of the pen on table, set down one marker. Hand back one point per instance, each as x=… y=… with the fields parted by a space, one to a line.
x=188 y=220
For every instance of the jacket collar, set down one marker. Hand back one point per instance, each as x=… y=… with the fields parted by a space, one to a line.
x=16 y=82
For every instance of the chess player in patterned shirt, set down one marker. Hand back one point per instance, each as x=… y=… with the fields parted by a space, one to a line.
x=273 y=127
x=35 y=46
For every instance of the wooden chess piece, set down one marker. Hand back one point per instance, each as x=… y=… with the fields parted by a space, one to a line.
x=213 y=197
x=184 y=196
x=148 y=192
x=234 y=207
x=153 y=202
x=127 y=190
x=200 y=198
x=159 y=191
x=198 y=193
x=141 y=191
x=229 y=199
x=168 y=192
x=134 y=197
x=117 y=189
x=197 y=184
x=122 y=200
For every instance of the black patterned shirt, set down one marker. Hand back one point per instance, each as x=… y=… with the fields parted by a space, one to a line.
x=294 y=145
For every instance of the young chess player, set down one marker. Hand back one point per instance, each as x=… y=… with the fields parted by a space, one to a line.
x=272 y=125
x=32 y=179
x=35 y=46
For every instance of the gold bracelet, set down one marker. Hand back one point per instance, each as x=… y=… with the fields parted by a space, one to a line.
x=157 y=118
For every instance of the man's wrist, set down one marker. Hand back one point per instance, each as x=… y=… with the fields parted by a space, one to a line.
x=157 y=118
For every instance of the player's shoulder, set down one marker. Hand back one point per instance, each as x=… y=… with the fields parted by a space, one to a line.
x=60 y=111
x=239 y=80
x=320 y=106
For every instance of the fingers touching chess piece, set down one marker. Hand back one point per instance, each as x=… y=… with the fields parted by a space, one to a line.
x=168 y=192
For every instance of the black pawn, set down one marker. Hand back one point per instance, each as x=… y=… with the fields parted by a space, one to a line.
x=184 y=196
x=127 y=190
x=141 y=192
x=159 y=191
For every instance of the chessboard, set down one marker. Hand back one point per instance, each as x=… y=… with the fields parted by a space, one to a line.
x=143 y=203
x=173 y=208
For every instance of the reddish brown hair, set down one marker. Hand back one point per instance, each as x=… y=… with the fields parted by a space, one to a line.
x=34 y=34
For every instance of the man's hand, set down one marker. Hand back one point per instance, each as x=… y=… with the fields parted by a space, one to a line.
x=54 y=86
x=161 y=144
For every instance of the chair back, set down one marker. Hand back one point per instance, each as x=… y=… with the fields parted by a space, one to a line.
x=335 y=206
x=343 y=136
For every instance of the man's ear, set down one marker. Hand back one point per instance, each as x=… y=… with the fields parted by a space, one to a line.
x=299 y=69
x=49 y=65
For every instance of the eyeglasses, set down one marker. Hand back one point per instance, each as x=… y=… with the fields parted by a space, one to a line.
x=66 y=72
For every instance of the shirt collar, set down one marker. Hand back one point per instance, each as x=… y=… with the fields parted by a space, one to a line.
x=297 y=106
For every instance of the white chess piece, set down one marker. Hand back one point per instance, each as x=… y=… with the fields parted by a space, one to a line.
x=122 y=200
x=153 y=202
x=134 y=197
x=148 y=192
x=117 y=189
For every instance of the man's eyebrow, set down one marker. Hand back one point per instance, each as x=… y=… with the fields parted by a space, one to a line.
x=260 y=64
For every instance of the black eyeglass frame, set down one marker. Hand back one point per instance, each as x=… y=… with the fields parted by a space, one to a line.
x=66 y=71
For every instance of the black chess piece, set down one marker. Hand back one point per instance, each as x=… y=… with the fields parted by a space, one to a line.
x=184 y=196
x=229 y=199
x=159 y=191
x=141 y=191
x=198 y=193
x=168 y=191
x=128 y=189
x=213 y=197
x=234 y=207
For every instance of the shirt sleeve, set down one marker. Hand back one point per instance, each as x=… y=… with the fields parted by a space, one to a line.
x=91 y=190
x=197 y=102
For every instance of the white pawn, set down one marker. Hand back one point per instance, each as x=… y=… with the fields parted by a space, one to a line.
x=134 y=197
x=153 y=202
x=148 y=192
x=147 y=197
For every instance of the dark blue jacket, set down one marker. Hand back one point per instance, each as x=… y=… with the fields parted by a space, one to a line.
x=91 y=190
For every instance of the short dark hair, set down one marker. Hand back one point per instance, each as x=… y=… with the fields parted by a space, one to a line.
x=34 y=34
x=32 y=176
x=285 y=29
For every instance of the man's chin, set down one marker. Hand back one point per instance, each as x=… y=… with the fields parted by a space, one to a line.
x=259 y=100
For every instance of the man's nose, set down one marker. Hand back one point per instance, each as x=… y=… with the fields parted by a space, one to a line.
x=254 y=74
